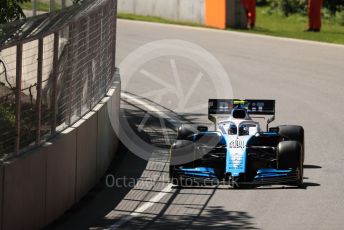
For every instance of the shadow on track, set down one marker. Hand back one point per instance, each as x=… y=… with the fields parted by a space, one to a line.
x=212 y=218
x=188 y=118
x=312 y=167
x=266 y=187
x=176 y=212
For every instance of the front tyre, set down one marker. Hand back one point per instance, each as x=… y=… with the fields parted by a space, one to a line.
x=181 y=154
x=294 y=133
x=289 y=156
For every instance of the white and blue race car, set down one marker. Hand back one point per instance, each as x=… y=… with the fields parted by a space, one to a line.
x=237 y=151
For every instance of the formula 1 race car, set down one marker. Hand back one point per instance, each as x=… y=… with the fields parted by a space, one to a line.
x=237 y=152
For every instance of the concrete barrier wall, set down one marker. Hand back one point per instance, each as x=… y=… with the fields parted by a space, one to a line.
x=105 y=132
x=61 y=174
x=24 y=191
x=107 y=139
x=40 y=186
x=86 y=157
x=178 y=10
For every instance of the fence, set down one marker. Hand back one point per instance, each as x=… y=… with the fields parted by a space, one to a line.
x=53 y=5
x=54 y=68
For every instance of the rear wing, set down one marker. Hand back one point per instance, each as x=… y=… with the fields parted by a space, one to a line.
x=253 y=107
x=261 y=107
x=218 y=107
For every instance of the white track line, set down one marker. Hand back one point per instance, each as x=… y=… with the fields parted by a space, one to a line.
x=237 y=33
x=168 y=189
x=146 y=205
x=152 y=110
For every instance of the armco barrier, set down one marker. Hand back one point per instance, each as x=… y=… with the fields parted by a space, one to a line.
x=38 y=187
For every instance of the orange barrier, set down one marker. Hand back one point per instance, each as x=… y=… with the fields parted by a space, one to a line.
x=215 y=13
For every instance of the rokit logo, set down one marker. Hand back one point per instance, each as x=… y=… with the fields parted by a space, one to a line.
x=237 y=144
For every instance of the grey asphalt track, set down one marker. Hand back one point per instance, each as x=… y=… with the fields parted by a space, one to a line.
x=306 y=79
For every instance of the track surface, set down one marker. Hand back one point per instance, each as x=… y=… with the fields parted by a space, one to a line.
x=306 y=79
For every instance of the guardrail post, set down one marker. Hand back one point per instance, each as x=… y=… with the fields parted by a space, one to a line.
x=54 y=76
x=69 y=72
x=51 y=5
x=63 y=4
x=19 y=71
x=34 y=7
x=79 y=77
x=114 y=29
x=101 y=61
x=90 y=61
x=39 y=91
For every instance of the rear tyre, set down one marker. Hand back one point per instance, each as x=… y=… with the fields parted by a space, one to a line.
x=294 y=133
x=289 y=156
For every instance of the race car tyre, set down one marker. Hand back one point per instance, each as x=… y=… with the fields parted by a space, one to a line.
x=294 y=133
x=185 y=132
x=289 y=156
x=181 y=154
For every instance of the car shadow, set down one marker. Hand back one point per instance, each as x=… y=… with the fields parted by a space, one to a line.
x=263 y=187
x=312 y=167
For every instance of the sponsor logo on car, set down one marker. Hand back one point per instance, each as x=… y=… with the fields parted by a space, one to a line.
x=237 y=144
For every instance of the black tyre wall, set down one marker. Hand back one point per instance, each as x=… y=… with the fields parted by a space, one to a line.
x=182 y=152
x=185 y=131
x=294 y=133
x=289 y=154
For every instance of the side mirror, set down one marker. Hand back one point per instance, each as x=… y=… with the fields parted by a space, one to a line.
x=212 y=118
x=202 y=129
x=271 y=119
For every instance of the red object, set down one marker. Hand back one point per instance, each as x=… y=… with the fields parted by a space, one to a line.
x=250 y=7
x=314 y=14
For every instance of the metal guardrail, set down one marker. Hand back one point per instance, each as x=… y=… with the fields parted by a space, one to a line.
x=54 y=68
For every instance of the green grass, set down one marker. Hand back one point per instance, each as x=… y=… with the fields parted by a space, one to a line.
x=273 y=24
x=294 y=27
x=41 y=6
x=129 y=16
